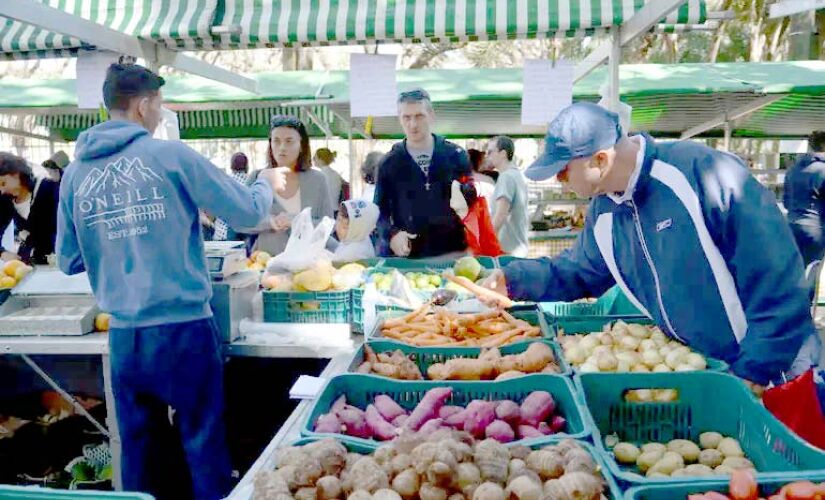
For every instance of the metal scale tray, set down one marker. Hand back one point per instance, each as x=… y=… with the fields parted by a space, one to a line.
x=48 y=302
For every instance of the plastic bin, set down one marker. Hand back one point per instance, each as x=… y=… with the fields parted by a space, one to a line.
x=708 y=401
x=404 y=264
x=767 y=486
x=613 y=491
x=527 y=313
x=424 y=357
x=38 y=493
x=306 y=307
x=360 y=391
x=357 y=309
x=595 y=324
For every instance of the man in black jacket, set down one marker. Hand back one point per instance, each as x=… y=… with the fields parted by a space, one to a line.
x=414 y=186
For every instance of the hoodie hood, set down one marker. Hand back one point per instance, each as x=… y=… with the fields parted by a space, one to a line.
x=107 y=139
x=363 y=216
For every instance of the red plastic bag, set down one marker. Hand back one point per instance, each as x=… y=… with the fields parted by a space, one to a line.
x=481 y=236
x=796 y=405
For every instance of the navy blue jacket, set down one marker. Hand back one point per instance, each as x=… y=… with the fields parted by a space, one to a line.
x=804 y=199
x=698 y=245
x=406 y=205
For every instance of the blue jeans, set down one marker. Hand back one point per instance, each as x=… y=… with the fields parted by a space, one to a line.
x=179 y=366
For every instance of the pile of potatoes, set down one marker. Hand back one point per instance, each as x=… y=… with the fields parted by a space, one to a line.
x=714 y=455
x=624 y=347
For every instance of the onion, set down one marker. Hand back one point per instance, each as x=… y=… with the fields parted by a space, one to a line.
x=666 y=395
x=619 y=328
x=647 y=344
x=575 y=355
x=684 y=367
x=696 y=360
x=652 y=358
x=589 y=368
x=605 y=339
x=607 y=362
x=629 y=342
x=639 y=331
x=632 y=358
x=641 y=369
x=588 y=343
x=623 y=366
x=661 y=368
x=674 y=358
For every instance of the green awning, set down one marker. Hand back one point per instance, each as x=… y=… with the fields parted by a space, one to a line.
x=186 y=24
x=666 y=100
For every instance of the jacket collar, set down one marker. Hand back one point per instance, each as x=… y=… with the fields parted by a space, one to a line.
x=640 y=179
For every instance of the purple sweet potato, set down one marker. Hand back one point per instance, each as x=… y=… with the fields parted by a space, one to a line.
x=399 y=420
x=545 y=429
x=456 y=420
x=381 y=429
x=479 y=415
x=500 y=430
x=388 y=408
x=354 y=422
x=558 y=423
x=328 y=423
x=509 y=412
x=528 y=432
x=428 y=408
x=339 y=404
x=431 y=426
x=536 y=407
x=447 y=411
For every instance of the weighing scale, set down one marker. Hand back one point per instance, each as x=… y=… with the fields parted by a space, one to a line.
x=225 y=258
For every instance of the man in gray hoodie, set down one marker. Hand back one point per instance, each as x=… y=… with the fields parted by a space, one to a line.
x=128 y=216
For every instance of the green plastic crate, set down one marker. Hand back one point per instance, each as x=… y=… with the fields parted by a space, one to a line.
x=357 y=308
x=588 y=325
x=527 y=313
x=401 y=263
x=424 y=357
x=306 y=307
x=37 y=493
x=360 y=391
x=613 y=490
x=771 y=446
x=767 y=486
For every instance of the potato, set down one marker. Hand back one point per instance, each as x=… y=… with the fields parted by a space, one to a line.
x=654 y=447
x=738 y=463
x=730 y=448
x=687 y=449
x=711 y=458
x=648 y=459
x=710 y=440
x=667 y=464
x=656 y=474
x=626 y=453
x=679 y=473
x=698 y=470
x=723 y=470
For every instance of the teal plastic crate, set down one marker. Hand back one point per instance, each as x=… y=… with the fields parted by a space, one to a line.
x=37 y=493
x=767 y=487
x=424 y=357
x=613 y=492
x=357 y=309
x=361 y=390
x=572 y=326
x=708 y=401
x=439 y=264
x=527 y=313
x=306 y=307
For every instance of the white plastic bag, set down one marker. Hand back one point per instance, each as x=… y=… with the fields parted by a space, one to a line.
x=306 y=245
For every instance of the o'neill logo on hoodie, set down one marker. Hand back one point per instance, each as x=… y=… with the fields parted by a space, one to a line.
x=125 y=196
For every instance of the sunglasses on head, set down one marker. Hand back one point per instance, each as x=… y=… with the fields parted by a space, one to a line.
x=284 y=121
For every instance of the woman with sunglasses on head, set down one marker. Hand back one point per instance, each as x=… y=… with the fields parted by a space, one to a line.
x=297 y=186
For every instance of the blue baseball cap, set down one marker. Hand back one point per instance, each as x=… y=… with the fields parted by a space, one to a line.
x=580 y=130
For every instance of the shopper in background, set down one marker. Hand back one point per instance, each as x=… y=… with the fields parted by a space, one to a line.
x=692 y=239
x=31 y=203
x=354 y=224
x=297 y=185
x=336 y=187
x=369 y=173
x=129 y=217
x=484 y=184
x=414 y=186
x=239 y=171
x=804 y=199
x=55 y=164
x=510 y=218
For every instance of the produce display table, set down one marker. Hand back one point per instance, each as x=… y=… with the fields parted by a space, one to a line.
x=261 y=345
x=289 y=432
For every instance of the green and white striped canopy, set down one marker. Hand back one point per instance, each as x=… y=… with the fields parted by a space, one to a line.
x=187 y=24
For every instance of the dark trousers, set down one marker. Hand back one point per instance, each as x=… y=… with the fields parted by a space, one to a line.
x=178 y=366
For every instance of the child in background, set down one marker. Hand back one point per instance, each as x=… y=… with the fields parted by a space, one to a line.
x=355 y=222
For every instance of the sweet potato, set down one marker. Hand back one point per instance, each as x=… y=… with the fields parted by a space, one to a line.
x=328 y=423
x=558 y=423
x=545 y=428
x=339 y=404
x=528 y=432
x=388 y=408
x=381 y=429
x=479 y=415
x=536 y=407
x=500 y=430
x=428 y=408
x=354 y=422
x=456 y=420
x=432 y=425
x=446 y=411
x=508 y=411
x=399 y=420
x=743 y=486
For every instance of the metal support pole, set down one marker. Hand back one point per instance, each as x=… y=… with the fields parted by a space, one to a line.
x=354 y=178
x=111 y=423
x=613 y=63
x=51 y=147
x=728 y=131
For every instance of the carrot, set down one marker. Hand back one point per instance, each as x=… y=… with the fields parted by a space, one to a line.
x=478 y=291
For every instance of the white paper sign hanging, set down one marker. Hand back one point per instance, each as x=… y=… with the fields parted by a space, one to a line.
x=91 y=67
x=168 y=129
x=373 y=90
x=547 y=89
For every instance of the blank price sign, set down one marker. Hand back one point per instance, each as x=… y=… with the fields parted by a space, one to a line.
x=373 y=90
x=548 y=89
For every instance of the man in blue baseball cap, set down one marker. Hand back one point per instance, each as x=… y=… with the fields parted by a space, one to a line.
x=690 y=237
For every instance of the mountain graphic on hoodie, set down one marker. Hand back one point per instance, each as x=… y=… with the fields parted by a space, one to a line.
x=122 y=173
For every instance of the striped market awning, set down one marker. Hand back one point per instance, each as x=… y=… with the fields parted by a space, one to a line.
x=187 y=24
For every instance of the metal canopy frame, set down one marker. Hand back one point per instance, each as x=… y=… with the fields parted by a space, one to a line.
x=730 y=116
x=37 y=14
